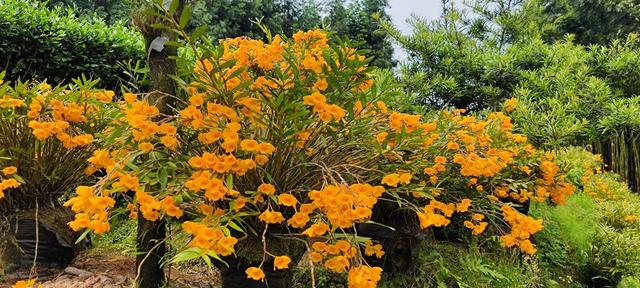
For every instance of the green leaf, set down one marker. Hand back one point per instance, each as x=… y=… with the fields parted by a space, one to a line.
x=185 y=16
x=235 y=226
x=163 y=177
x=174 y=6
x=19 y=178
x=186 y=255
x=198 y=32
x=84 y=235
x=207 y=259
x=229 y=182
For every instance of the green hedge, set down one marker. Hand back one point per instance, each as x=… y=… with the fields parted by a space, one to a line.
x=38 y=43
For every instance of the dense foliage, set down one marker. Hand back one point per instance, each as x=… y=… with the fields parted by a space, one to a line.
x=289 y=143
x=593 y=21
x=37 y=43
x=357 y=20
x=257 y=146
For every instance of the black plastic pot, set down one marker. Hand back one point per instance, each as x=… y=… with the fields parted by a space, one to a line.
x=234 y=276
x=54 y=241
x=401 y=243
x=455 y=232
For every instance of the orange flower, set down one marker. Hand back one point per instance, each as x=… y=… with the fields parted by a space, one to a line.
x=255 y=273
x=267 y=189
x=381 y=137
x=271 y=217
x=145 y=147
x=9 y=170
x=321 y=84
x=391 y=180
x=281 y=262
x=287 y=200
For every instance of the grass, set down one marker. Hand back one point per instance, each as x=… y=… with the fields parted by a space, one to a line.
x=122 y=239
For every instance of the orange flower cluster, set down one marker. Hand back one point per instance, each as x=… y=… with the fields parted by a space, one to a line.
x=476 y=225
x=408 y=122
x=91 y=210
x=210 y=239
x=59 y=111
x=463 y=158
x=522 y=227
x=364 y=277
x=6 y=184
x=430 y=216
x=337 y=255
x=140 y=116
x=222 y=164
x=371 y=249
x=214 y=187
x=344 y=205
x=558 y=190
x=151 y=208
x=8 y=102
x=326 y=111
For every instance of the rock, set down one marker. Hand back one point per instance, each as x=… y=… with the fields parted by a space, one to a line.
x=82 y=274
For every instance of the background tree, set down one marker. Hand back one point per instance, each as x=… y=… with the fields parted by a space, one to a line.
x=232 y=18
x=361 y=21
x=594 y=21
x=110 y=10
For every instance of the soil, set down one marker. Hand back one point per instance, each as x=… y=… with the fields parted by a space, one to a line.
x=112 y=270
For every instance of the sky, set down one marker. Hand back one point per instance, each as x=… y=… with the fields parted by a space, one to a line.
x=401 y=10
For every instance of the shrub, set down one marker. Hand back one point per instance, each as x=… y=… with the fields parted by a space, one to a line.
x=629 y=282
x=49 y=168
x=446 y=265
x=594 y=237
x=614 y=255
x=37 y=43
x=567 y=237
x=291 y=139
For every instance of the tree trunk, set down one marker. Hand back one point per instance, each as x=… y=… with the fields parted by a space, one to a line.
x=151 y=249
x=162 y=65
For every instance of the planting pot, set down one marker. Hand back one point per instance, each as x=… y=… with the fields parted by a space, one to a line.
x=234 y=276
x=249 y=253
x=455 y=232
x=399 y=234
x=54 y=241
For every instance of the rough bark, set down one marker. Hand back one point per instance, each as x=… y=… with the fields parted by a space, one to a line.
x=162 y=65
x=151 y=250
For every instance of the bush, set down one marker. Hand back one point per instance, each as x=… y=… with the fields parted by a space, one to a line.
x=614 y=255
x=593 y=238
x=567 y=237
x=37 y=43
x=629 y=282
x=446 y=265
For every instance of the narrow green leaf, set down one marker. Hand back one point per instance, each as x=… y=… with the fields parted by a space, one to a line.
x=229 y=182
x=19 y=178
x=198 y=32
x=185 y=16
x=235 y=226
x=186 y=255
x=84 y=235
x=174 y=6
x=163 y=177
